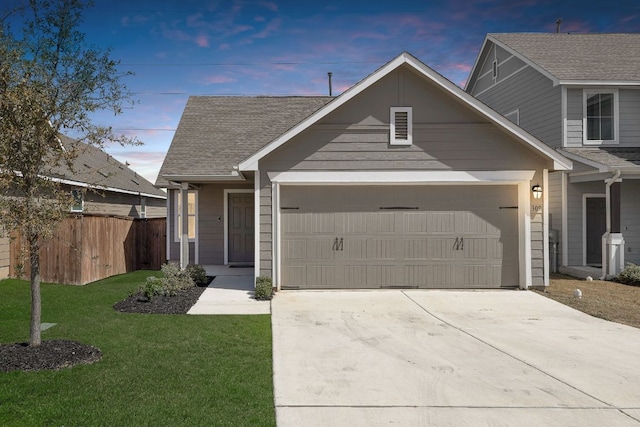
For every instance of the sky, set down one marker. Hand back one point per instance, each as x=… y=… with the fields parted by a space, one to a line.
x=267 y=47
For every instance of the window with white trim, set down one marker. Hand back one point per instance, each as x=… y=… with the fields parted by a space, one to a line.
x=78 y=200
x=401 y=131
x=600 y=117
x=192 y=214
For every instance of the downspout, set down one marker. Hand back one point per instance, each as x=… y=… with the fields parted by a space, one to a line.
x=605 y=259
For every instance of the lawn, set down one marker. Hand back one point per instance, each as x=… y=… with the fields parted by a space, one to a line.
x=604 y=299
x=156 y=370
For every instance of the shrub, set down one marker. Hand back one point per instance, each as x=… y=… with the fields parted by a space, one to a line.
x=630 y=274
x=174 y=280
x=264 y=288
x=198 y=274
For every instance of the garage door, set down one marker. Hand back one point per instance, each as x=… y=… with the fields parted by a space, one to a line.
x=392 y=236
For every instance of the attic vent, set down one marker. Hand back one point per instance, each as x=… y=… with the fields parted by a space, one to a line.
x=401 y=126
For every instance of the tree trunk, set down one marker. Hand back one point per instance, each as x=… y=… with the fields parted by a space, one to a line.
x=34 y=257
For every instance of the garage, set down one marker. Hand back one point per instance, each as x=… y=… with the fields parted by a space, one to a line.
x=399 y=236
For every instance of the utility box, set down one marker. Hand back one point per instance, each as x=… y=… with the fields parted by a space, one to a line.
x=554 y=241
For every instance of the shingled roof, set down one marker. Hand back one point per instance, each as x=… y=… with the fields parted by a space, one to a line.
x=95 y=168
x=600 y=57
x=216 y=133
x=608 y=158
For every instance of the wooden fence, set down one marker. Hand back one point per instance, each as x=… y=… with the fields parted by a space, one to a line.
x=87 y=248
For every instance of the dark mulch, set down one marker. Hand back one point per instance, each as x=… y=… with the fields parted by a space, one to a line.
x=52 y=355
x=177 y=304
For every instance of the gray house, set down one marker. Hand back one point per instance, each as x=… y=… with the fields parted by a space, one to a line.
x=404 y=180
x=578 y=93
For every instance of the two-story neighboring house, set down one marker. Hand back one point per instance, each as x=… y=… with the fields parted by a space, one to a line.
x=580 y=94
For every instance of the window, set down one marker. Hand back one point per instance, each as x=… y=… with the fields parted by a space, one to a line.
x=600 y=120
x=78 y=201
x=192 y=206
x=401 y=126
x=494 y=69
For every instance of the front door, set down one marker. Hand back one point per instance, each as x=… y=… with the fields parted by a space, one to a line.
x=596 y=219
x=241 y=228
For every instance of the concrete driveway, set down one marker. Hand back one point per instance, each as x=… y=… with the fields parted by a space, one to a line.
x=447 y=358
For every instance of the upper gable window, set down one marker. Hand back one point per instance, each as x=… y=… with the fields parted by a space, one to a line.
x=78 y=201
x=401 y=126
x=494 y=69
x=600 y=117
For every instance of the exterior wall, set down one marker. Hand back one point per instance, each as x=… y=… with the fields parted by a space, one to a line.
x=629 y=110
x=537 y=100
x=629 y=220
x=210 y=219
x=123 y=205
x=4 y=257
x=555 y=207
x=446 y=137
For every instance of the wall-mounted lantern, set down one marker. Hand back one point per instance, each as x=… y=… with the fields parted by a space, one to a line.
x=537 y=191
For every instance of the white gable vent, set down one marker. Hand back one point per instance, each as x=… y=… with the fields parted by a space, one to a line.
x=401 y=126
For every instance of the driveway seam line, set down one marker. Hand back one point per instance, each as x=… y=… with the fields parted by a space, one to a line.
x=510 y=355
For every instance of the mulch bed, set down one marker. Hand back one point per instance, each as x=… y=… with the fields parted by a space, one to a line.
x=52 y=354
x=59 y=354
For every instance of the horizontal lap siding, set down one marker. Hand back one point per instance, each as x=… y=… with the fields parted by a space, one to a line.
x=266 y=235
x=538 y=101
x=555 y=206
x=119 y=204
x=629 y=117
x=574 y=117
x=630 y=220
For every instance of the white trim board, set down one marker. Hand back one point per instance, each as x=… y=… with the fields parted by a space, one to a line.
x=400 y=177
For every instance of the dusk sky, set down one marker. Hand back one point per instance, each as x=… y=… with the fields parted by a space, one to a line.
x=235 y=47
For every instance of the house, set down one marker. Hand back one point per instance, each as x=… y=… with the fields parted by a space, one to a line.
x=101 y=186
x=404 y=180
x=578 y=93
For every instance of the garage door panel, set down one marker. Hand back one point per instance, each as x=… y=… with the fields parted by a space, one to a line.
x=457 y=237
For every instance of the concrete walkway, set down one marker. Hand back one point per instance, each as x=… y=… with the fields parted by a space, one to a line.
x=231 y=292
x=449 y=359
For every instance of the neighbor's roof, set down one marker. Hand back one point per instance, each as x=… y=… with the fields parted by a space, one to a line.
x=216 y=133
x=95 y=168
x=582 y=57
x=606 y=158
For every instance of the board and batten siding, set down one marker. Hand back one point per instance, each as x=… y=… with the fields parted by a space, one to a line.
x=538 y=102
x=628 y=109
x=4 y=257
x=447 y=136
x=629 y=225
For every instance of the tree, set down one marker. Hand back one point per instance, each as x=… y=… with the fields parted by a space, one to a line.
x=51 y=81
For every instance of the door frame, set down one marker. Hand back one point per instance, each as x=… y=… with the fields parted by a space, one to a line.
x=586 y=196
x=227 y=193
x=520 y=178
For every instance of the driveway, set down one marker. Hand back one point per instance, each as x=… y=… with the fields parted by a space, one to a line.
x=447 y=358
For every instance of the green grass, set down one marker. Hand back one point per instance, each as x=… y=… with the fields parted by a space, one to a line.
x=156 y=370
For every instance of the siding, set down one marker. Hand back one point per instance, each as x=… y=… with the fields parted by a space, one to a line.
x=555 y=207
x=122 y=205
x=537 y=99
x=4 y=257
x=210 y=229
x=446 y=136
x=507 y=65
x=629 y=221
x=629 y=110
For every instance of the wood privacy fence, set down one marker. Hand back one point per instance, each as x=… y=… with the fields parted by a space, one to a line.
x=87 y=248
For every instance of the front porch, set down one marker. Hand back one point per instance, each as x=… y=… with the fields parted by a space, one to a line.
x=581 y=272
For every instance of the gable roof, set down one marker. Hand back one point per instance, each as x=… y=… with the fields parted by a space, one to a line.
x=575 y=58
x=560 y=162
x=216 y=133
x=95 y=168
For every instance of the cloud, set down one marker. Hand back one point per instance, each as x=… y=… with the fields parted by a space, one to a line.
x=218 y=79
x=202 y=41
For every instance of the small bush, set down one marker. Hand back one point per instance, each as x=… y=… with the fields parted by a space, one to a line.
x=198 y=274
x=630 y=275
x=174 y=280
x=264 y=288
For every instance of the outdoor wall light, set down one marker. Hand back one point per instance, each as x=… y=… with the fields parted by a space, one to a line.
x=537 y=191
